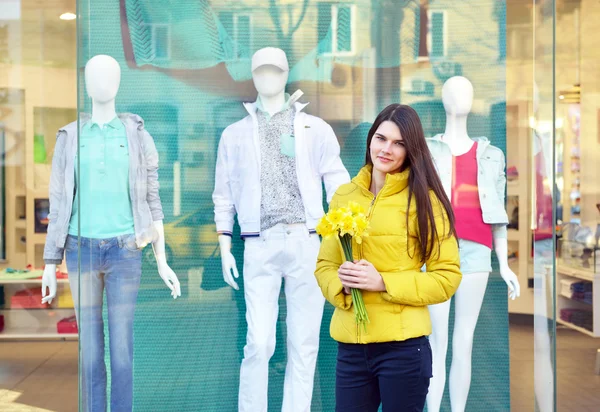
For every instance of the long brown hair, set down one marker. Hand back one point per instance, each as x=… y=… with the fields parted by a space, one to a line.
x=422 y=176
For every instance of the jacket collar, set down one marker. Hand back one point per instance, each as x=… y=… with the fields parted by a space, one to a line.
x=252 y=107
x=482 y=141
x=394 y=182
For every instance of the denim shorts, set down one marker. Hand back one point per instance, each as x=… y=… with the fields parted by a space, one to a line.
x=474 y=257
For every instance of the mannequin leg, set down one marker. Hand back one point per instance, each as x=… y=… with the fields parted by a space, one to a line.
x=262 y=285
x=439 y=347
x=468 y=300
x=122 y=280
x=542 y=343
x=87 y=288
x=305 y=305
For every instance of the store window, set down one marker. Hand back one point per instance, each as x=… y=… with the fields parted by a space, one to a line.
x=184 y=94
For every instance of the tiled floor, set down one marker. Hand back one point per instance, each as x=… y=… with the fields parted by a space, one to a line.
x=38 y=376
x=578 y=385
x=42 y=376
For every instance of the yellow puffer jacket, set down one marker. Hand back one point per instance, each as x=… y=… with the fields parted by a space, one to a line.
x=401 y=312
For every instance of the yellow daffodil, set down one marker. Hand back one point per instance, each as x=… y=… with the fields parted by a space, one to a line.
x=335 y=216
x=355 y=208
x=325 y=228
x=348 y=223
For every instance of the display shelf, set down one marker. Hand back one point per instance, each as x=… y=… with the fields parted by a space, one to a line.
x=564 y=272
x=41 y=193
x=16 y=335
x=513 y=235
x=512 y=188
x=575 y=273
x=39 y=238
x=34 y=323
x=21 y=224
x=28 y=281
x=575 y=327
x=562 y=295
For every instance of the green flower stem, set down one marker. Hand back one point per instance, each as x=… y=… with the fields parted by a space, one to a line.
x=360 y=311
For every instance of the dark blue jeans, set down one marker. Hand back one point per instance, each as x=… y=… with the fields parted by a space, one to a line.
x=115 y=266
x=392 y=374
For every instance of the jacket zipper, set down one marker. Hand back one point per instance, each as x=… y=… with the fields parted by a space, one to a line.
x=360 y=253
x=360 y=250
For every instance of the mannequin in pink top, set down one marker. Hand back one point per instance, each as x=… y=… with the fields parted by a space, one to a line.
x=476 y=238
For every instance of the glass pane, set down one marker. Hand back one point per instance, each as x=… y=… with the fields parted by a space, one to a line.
x=185 y=69
x=38 y=332
x=543 y=206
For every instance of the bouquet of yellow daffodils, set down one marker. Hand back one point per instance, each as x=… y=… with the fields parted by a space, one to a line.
x=348 y=223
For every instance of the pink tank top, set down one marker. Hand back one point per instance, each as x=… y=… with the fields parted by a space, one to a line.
x=465 y=200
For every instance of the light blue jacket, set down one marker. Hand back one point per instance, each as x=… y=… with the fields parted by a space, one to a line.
x=491 y=179
x=143 y=185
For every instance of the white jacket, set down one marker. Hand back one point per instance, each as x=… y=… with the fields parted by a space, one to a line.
x=237 y=176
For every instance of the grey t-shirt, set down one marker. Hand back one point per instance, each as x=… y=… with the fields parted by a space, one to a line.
x=280 y=201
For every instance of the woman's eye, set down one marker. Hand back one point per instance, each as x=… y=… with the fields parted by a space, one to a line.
x=380 y=138
x=399 y=143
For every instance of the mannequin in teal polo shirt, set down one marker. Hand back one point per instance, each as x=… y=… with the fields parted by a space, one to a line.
x=102 y=182
x=104 y=209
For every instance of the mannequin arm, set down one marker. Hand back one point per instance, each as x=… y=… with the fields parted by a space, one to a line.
x=228 y=264
x=501 y=249
x=222 y=198
x=331 y=168
x=165 y=272
x=52 y=253
x=501 y=242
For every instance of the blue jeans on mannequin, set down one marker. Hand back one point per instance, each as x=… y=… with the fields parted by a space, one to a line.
x=113 y=264
x=392 y=374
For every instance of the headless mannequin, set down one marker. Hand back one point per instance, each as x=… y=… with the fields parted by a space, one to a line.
x=102 y=78
x=457 y=96
x=270 y=83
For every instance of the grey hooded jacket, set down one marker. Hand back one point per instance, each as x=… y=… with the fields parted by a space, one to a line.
x=143 y=184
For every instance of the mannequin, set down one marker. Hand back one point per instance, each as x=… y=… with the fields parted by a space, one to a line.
x=457 y=97
x=104 y=134
x=270 y=169
x=543 y=250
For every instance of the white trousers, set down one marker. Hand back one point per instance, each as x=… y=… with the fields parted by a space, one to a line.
x=282 y=252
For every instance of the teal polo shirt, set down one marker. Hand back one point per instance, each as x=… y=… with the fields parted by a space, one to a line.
x=103 y=185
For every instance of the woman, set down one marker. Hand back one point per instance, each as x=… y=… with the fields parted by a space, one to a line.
x=411 y=225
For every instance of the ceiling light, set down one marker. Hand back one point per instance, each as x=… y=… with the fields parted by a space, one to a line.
x=68 y=16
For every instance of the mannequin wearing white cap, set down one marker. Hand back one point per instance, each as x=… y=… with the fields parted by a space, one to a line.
x=270 y=169
x=472 y=172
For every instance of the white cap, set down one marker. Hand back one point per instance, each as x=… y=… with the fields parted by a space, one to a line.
x=270 y=55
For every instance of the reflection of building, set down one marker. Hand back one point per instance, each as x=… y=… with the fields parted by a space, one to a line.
x=325 y=43
x=454 y=42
